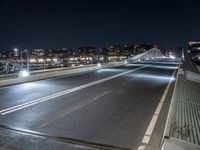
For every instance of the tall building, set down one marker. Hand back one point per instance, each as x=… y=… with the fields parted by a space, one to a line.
x=194 y=51
x=51 y=56
x=140 y=48
x=87 y=55
x=111 y=53
x=121 y=52
x=3 y=55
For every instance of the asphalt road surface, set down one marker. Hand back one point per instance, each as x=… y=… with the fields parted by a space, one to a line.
x=107 y=107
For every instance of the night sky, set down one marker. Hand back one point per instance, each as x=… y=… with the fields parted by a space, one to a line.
x=63 y=23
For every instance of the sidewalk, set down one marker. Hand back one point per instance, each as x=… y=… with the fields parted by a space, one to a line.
x=184 y=116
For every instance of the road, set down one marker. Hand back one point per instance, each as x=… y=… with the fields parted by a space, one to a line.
x=111 y=107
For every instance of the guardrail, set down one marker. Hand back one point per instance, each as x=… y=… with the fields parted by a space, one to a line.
x=198 y=68
x=50 y=73
x=46 y=70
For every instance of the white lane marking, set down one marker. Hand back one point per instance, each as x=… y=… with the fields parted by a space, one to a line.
x=151 y=125
x=170 y=109
x=145 y=139
x=142 y=147
x=154 y=119
x=46 y=98
x=158 y=108
x=74 y=108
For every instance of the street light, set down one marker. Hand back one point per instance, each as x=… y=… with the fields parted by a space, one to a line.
x=16 y=52
x=24 y=73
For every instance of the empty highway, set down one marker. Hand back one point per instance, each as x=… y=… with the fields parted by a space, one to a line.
x=110 y=107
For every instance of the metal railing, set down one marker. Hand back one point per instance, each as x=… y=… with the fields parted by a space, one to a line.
x=151 y=54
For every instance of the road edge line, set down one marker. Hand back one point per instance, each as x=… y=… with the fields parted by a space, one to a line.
x=152 y=124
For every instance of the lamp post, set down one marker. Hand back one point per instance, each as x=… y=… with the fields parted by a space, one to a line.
x=20 y=60
x=16 y=54
x=27 y=58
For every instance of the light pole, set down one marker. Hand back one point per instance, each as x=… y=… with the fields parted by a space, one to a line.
x=27 y=58
x=21 y=60
x=16 y=54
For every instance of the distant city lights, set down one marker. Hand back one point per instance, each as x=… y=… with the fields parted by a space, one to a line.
x=48 y=59
x=15 y=49
x=55 y=59
x=40 y=60
x=32 y=60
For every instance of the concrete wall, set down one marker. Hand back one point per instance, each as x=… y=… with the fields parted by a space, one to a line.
x=198 y=67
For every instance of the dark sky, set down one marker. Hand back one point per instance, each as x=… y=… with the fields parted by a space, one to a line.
x=63 y=23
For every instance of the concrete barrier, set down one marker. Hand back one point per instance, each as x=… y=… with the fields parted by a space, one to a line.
x=45 y=70
x=56 y=73
x=198 y=68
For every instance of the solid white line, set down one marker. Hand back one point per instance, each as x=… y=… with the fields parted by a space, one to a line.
x=170 y=108
x=146 y=139
x=151 y=125
x=46 y=98
x=158 y=108
x=154 y=119
x=142 y=147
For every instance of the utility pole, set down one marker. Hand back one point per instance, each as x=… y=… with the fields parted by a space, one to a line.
x=21 y=60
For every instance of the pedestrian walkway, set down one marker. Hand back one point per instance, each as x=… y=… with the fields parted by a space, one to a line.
x=186 y=124
x=184 y=117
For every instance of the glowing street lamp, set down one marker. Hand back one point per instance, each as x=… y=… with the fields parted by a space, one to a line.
x=16 y=52
x=24 y=73
x=15 y=49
